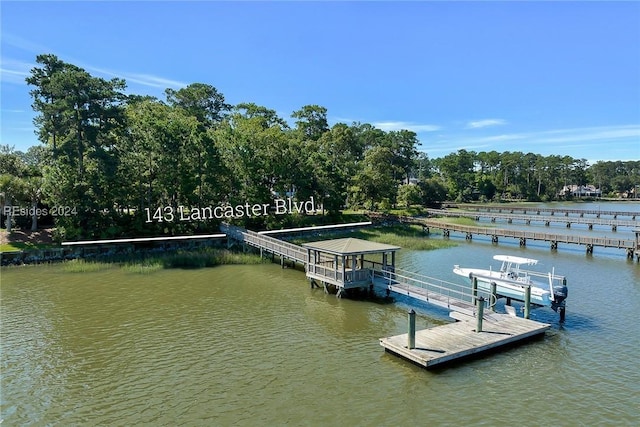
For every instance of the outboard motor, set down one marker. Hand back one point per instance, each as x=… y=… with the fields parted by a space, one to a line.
x=560 y=294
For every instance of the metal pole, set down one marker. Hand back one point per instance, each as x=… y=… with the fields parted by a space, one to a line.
x=494 y=291
x=479 y=314
x=527 y=301
x=474 y=287
x=412 y=330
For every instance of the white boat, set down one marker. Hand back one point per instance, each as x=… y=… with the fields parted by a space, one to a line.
x=511 y=280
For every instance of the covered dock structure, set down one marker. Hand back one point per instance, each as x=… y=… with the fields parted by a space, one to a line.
x=348 y=263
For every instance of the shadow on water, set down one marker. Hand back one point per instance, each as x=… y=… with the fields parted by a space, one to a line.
x=573 y=321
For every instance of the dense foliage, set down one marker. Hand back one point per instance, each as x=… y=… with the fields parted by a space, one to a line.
x=112 y=159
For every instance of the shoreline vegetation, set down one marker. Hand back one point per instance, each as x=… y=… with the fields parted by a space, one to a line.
x=148 y=260
x=149 y=263
x=406 y=236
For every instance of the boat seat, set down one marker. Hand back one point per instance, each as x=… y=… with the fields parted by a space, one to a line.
x=510 y=310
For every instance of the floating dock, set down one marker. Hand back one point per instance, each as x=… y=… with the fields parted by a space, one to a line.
x=454 y=341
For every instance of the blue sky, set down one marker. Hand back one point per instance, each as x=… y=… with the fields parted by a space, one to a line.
x=543 y=77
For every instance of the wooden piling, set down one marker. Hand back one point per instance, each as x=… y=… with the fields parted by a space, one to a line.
x=527 y=301
x=474 y=288
x=494 y=292
x=411 y=335
x=479 y=314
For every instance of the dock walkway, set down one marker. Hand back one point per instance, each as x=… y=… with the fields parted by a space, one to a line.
x=432 y=347
x=444 y=294
x=551 y=211
x=454 y=341
x=631 y=246
x=546 y=219
x=448 y=295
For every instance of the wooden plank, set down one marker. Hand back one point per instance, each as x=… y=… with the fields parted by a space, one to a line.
x=455 y=341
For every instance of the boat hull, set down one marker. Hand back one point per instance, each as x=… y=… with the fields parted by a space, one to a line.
x=506 y=287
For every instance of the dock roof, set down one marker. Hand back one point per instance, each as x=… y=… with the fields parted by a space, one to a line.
x=350 y=246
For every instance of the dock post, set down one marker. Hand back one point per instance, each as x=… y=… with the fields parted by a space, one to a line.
x=411 y=336
x=527 y=301
x=479 y=314
x=474 y=288
x=494 y=292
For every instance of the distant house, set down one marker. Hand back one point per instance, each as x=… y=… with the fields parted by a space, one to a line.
x=580 y=191
x=630 y=194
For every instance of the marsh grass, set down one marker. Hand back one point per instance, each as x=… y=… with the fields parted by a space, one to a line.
x=209 y=258
x=407 y=237
x=150 y=264
x=83 y=266
x=143 y=267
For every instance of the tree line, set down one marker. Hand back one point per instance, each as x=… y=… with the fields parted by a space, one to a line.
x=106 y=157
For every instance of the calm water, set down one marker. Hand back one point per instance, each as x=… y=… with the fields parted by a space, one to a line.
x=254 y=345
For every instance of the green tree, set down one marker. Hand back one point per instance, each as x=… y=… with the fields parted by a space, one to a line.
x=409 y=195
x=80 y=118
x=311 y=121
x=201 y=101
x=376 y=182
x=458 y=171
x=433 y=192
x=404 y=145
x=10 y=188
x=32 y=188
x=262 y=159
x=333 y=161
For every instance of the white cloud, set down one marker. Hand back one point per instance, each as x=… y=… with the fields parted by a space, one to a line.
x=141 y=79
x=14 y=72
x=619 y=142
x=395 y=126
x=23 y=44
x=601 y=133
x=485 y=123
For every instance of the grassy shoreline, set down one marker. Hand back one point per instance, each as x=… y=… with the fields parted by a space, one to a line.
x=144 y=263
x=407 y=237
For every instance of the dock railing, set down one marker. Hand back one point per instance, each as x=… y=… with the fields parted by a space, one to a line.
x=431 y=288
x=529 y=235
x=271 y=244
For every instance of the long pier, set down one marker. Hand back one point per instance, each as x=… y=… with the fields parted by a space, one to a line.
x=461 y=298
x=546 y=219
x=551 y=211
x=443 y=294
x=631 y=246
x=265 y=243
x=431 y=347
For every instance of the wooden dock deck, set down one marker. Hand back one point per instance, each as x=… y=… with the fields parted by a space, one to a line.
x=455 y=341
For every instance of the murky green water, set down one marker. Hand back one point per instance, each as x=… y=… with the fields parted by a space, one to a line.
x=254 y=345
